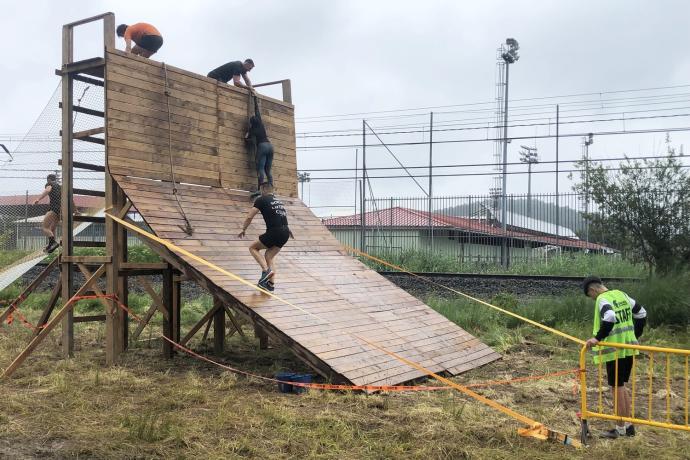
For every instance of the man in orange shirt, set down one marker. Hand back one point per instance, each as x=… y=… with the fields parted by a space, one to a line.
x=146 y=37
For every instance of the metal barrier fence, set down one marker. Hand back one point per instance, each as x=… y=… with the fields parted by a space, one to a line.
x=469 y=229
x=671 y=392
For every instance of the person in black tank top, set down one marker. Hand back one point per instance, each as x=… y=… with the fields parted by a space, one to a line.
x=53 y=191
x=276 y=235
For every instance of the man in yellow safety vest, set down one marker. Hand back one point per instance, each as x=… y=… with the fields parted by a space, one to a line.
x=618 y=318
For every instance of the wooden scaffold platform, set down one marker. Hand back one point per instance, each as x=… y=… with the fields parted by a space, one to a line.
x=175 y=153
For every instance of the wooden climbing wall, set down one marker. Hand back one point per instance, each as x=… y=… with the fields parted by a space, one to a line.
x=336 y=299
x=200 y=125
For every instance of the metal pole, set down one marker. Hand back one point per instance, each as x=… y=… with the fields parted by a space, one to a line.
x=364 y=187
x=558 y=201
x=356 y=172
x=586 y=191
x=529 y=189
x=504 y=243
x=431 y=176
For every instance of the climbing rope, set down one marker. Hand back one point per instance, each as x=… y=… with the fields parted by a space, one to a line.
x=187 y=228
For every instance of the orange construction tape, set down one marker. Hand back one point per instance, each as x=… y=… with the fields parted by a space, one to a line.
x=328 y=386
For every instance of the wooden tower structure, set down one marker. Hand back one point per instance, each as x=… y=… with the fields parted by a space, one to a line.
x=174 y=151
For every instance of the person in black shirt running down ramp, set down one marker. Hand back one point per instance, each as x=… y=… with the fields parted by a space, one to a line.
x=277 y=234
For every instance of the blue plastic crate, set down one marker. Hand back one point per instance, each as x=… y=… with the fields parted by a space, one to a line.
x=287 y=377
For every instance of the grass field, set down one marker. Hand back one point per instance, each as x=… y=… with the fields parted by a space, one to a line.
x=148 y=407
x=566 y=265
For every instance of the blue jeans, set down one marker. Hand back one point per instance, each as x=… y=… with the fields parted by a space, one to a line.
x=264 y=162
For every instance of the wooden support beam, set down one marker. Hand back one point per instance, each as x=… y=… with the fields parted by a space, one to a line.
x=85 y=111
x=287 y=91
x=209 y=314
x=207 y=329
x=31 y=287
x=235 y=323
x=263 y=337
x=143 y=266
x=89 y=244
x=88 y=132
x=155 y=298
x=67 y=199
x=85 y=166
x=93 y=140
x=85 y=192
x=89 y=318
x=51 y=325
x=176 y=309
x=93 y=219
x=89 y=80
x=87 y=274
x=218 y=327
x=92 y=66
x=48 y=309
x=167 y=300
x=87 y=259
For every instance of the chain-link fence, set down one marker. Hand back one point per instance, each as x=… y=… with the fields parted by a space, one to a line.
x=471 y=230
x=23 y=174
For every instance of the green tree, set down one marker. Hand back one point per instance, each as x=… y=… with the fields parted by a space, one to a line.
x=643 y=209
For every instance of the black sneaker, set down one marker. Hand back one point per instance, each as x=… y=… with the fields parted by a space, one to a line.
x=614 y=434
x=270 y=287
x=265 y=276
x=52 y=246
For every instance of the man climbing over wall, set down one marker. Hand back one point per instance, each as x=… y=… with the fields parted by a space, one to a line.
x=256 y=136
x=276 y=235
x=232 y=71
x=146 y=38
x=618 y=318
x=53 y=191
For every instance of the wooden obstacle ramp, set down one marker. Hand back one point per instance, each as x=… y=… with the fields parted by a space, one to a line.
x=340 y=296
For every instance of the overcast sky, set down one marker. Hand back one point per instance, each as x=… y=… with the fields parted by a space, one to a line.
x=364 y=56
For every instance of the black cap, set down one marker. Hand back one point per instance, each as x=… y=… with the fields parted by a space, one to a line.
x=589 y=280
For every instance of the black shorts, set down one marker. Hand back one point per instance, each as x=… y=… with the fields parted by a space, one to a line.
x=624 y=370
x=276 y=236
x=151 y=42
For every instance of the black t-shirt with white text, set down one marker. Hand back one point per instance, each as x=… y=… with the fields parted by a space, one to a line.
x=272 y=210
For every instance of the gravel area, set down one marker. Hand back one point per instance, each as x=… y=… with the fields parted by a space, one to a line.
x=486 y=287
x=482 y=287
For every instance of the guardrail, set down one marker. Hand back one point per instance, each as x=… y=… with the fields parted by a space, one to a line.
x=674 y=417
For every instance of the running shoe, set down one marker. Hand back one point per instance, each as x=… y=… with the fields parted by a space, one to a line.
x=266 y=275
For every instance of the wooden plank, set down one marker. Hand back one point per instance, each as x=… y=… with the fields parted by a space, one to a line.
x=206 y=318
x=89 y=318
x=48 y=309
x=85 y=192
x=219 y=327
x=85 y=166
x=143 y=266
x=88 y=244
x=87 y=132
x=85 y=111
x=87 y=259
